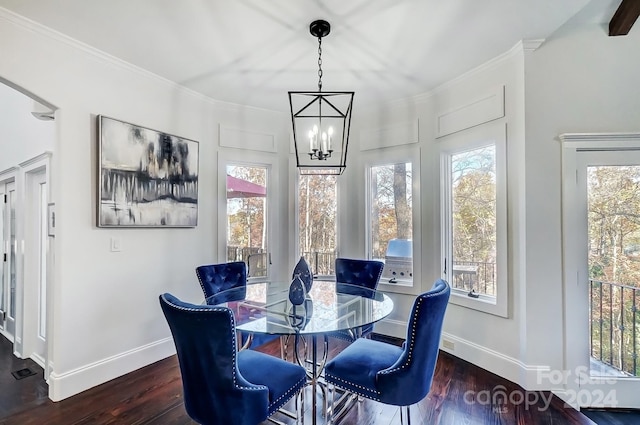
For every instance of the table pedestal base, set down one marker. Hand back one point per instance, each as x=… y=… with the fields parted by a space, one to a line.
x=314 y=372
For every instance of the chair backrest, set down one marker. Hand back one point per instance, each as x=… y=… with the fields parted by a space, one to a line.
x=214 y=278
x=359 y=272
x=214 y=390
x=409 y=379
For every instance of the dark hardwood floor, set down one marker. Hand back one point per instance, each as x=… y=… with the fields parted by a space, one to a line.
x=613 y=416
x=17 y=393
x=461 y=394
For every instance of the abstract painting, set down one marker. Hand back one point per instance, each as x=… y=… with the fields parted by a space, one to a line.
x=147 y=178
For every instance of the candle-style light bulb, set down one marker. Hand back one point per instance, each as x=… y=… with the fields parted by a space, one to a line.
x=324 y=142
x=329 y=143
x=314 y=135
x=310 y=141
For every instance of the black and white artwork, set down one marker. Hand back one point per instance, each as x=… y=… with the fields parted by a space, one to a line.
x=147 y=178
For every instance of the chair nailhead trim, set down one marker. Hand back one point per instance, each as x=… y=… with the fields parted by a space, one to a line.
x=204 y=291
x=299 y=383
x=347 y=385
x=233 y=337
x=414 y=322
x=351 y=384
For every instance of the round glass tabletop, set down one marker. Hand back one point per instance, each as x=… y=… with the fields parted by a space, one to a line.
x=329 y=306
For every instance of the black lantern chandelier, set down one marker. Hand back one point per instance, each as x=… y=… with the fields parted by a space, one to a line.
x=321 y=121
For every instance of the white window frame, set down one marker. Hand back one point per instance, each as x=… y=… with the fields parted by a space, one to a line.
x=475 y=138
x=390 y=156
x=247 y=159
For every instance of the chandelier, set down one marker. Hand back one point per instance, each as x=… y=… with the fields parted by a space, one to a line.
x=321 y=121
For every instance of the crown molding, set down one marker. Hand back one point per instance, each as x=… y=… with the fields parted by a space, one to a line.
x=531 y=45
x=587 y=137
x=600 y=141
x=9 y=174
x=520 y=47
x=94 y=53
x=45 y=156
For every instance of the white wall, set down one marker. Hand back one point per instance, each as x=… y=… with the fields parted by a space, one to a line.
x=580 y=81
x=490 y=341
x=22 y=136
x=107 y=320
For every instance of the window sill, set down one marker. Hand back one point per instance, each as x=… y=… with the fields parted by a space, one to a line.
x=400 y=286
x=484 y=303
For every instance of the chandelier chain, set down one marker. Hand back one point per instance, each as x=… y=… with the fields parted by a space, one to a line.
x=316 y=137
x=319 y=63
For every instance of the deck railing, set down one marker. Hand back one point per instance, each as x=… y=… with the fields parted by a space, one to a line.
x=615 y=325
x=321 y=263
x=474 y=275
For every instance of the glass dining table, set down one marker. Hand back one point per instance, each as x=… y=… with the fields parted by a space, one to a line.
x=330 y=307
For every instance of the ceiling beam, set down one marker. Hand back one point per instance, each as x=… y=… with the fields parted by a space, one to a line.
x=625 y=17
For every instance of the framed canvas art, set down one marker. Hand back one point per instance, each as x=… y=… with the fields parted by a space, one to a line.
x=147 y=178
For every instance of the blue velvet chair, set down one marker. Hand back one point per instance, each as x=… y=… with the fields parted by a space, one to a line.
x=215 y=278
x=221 y=385
x=399 y=376
x=365 y=273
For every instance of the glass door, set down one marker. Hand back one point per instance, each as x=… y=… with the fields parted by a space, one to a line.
x=39 y=202
x=9 y=251
x=248 y=217
x=608 y=184
x=4 y=253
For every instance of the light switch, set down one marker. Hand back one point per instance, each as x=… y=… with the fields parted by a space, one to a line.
x=116 y=245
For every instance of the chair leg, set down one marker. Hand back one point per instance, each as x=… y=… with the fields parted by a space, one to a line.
x=329 y=413
x=284 y=341
x=300 y=408
x=405 y=416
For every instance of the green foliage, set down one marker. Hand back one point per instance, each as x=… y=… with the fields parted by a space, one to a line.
x=614 y=223
x=614 y=316
x=614 y=260
x=246 y=216
x=317 y=213
x=391 y=205
x=474 y=205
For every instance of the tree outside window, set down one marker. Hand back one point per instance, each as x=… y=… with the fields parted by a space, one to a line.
x=391 y=211
x=473 y=198
x=247 y=216
x=317 y=218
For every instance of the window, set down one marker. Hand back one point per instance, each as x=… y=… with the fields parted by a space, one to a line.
x=474 y=220
x=391 y=220
x=246 y=188
x=317 y=222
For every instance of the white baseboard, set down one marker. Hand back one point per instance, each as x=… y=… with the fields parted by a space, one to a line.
x=529 y=377
x=38 y=359
x=565 y=396
x=394 y=328
x=63 y=385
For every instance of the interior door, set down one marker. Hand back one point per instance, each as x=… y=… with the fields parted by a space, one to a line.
x=607 y=369
x=3 y=252
x=9 y=251
x=36 y=258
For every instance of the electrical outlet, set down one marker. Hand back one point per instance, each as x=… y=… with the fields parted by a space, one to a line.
x=450 y=345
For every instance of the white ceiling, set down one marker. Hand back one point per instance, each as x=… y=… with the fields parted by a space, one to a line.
x=252 y=52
